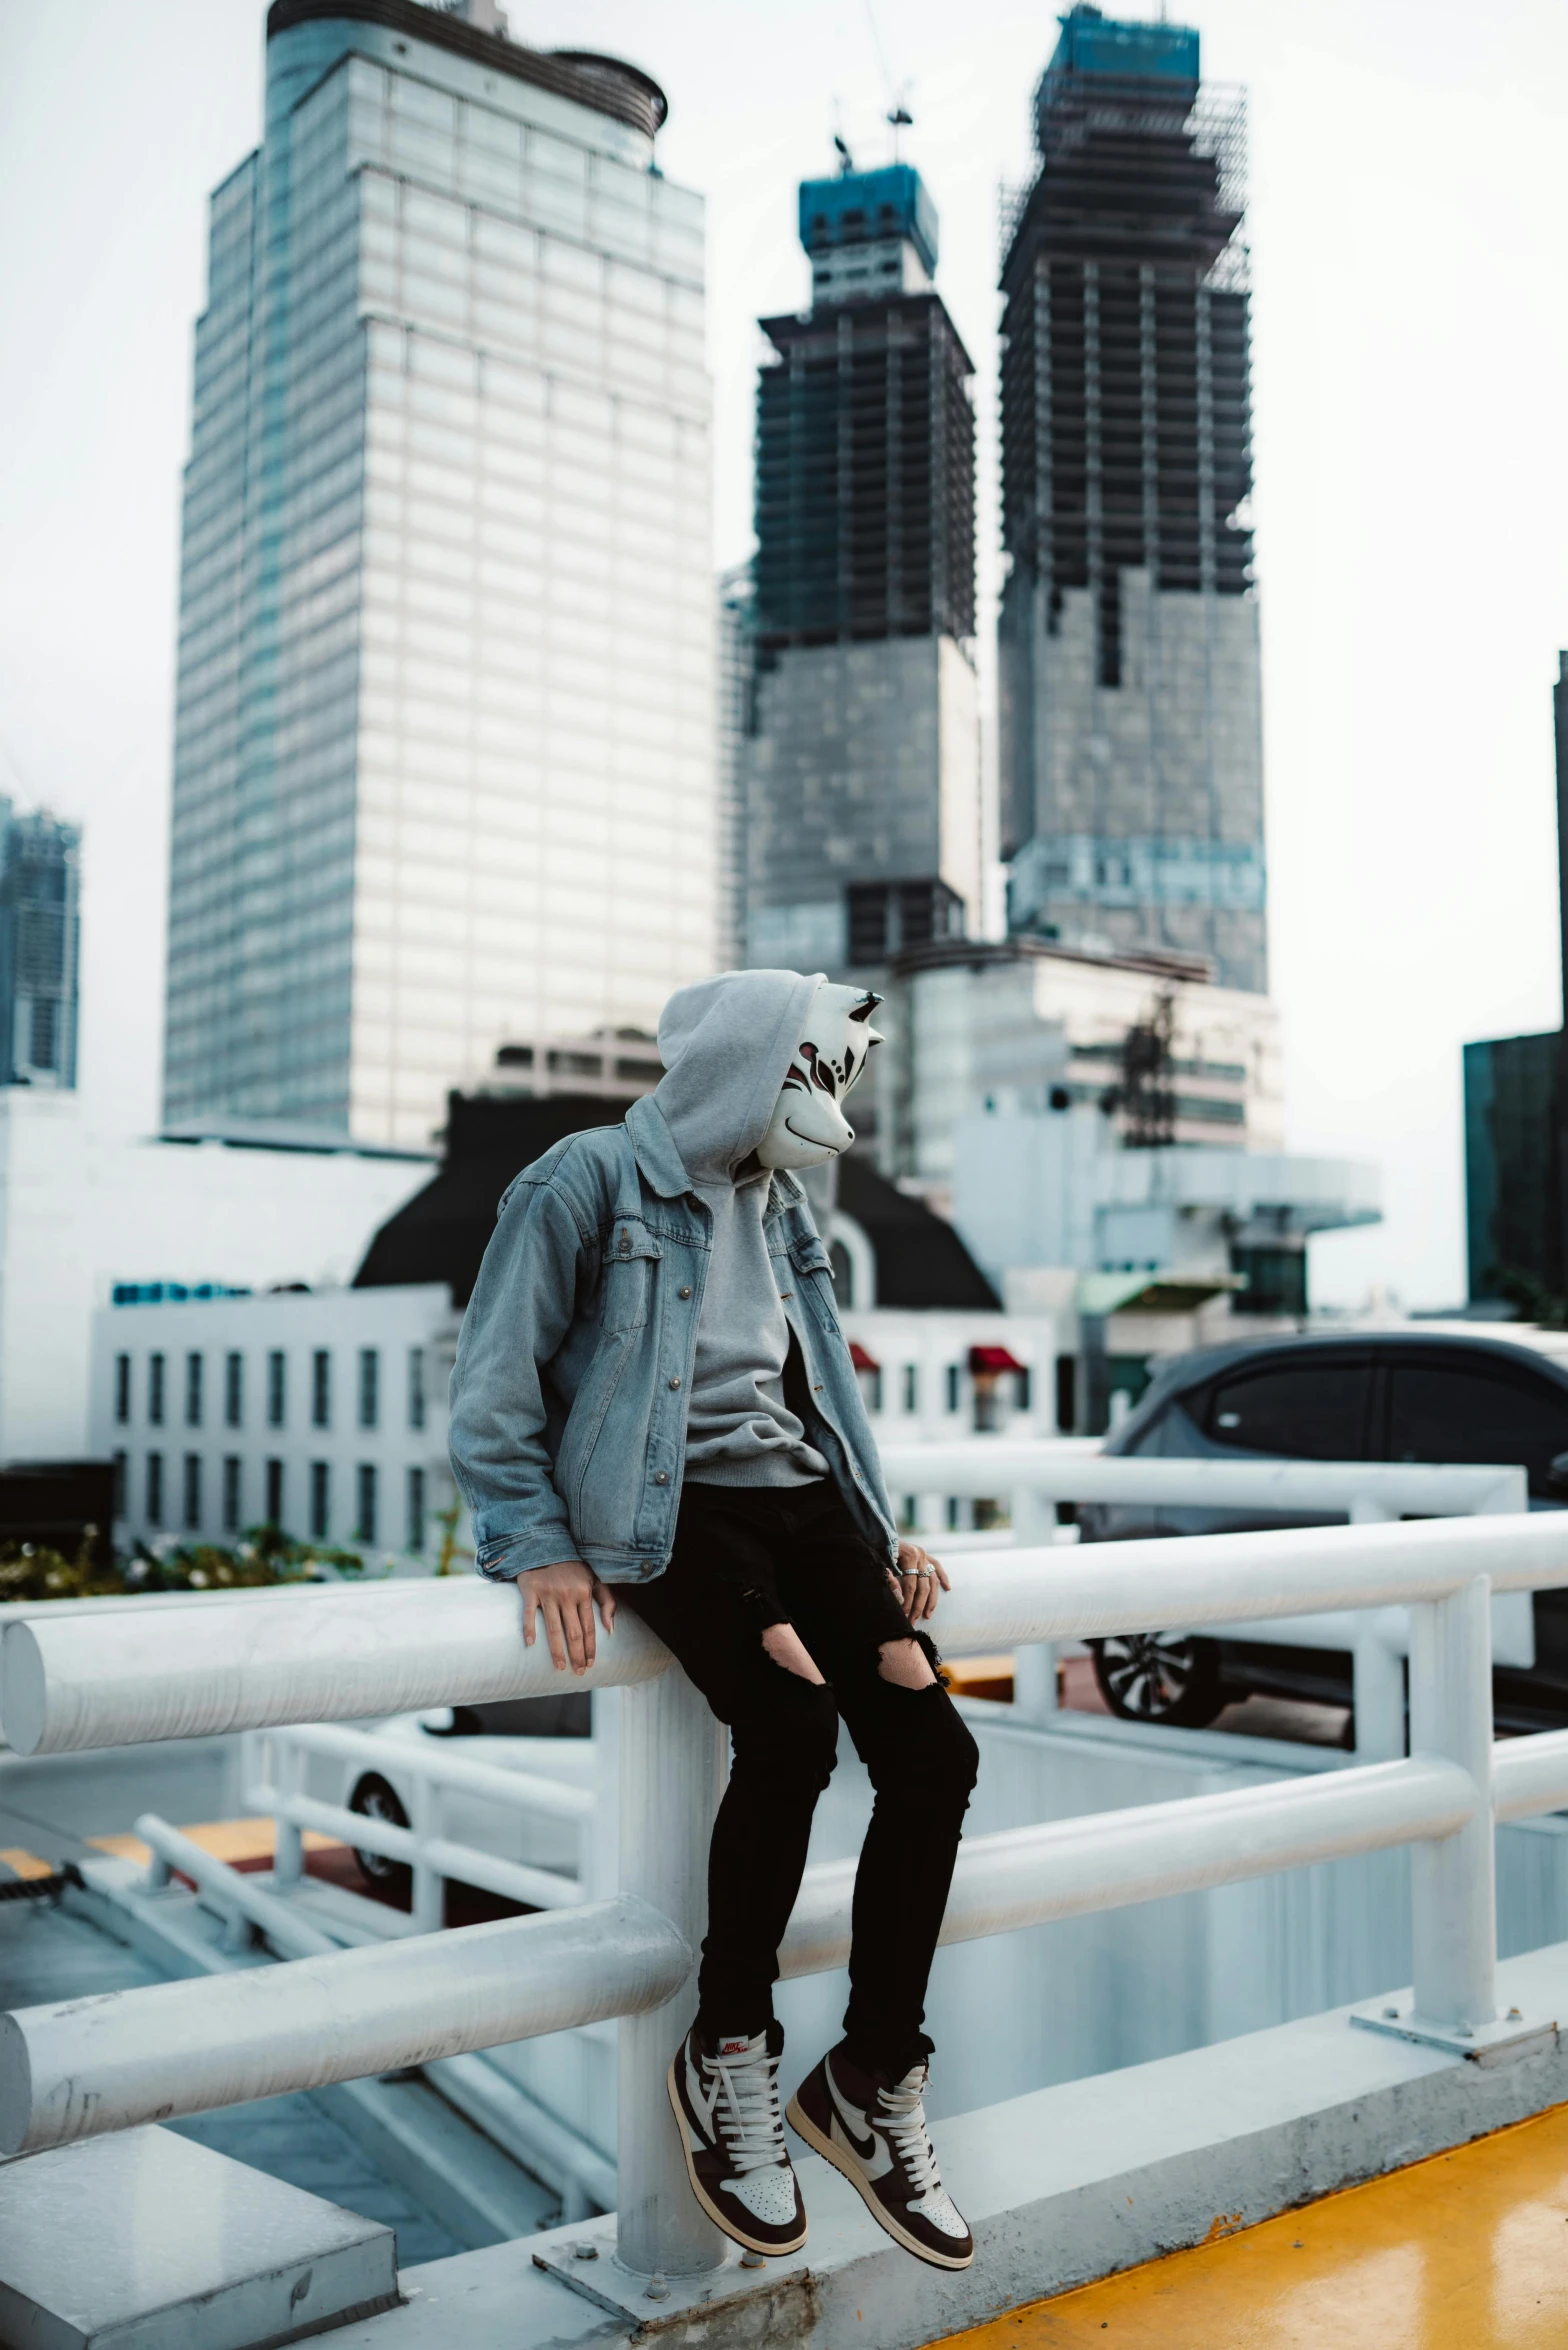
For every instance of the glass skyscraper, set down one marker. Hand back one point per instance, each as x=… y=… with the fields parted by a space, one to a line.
x=863 y=813
x=40 y=893
x=445 y=738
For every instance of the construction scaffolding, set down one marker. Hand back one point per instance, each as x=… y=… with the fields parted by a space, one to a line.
x=1126 y=404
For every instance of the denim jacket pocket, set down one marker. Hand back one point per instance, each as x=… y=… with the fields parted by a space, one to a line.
x=626 y=1275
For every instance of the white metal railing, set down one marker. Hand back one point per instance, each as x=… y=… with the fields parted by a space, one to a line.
x=273 y=1767
x=1032 y=1478
x=68 y=2071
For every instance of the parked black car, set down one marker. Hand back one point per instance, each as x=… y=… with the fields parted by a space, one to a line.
x=1400 y=1395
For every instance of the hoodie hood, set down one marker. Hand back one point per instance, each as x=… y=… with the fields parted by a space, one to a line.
x=726 y=1045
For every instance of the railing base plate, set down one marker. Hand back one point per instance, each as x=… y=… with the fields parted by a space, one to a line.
x=586 y=2260
x=1504 y=2042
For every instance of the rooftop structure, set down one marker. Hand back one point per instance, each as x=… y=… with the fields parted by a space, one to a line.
x=1131 y=757
x=444 y=746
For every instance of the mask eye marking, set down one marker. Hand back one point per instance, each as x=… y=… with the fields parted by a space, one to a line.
x=797 y=1077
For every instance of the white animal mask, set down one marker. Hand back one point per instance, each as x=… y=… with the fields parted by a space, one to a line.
x=808 y=1126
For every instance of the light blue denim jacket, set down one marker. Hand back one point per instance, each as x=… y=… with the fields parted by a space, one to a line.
x=568 y=1428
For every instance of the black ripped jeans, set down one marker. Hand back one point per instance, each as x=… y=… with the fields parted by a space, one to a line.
x=748 y=1558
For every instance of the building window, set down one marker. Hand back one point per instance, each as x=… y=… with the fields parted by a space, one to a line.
x=155 y=1390
x=193 y=1381
x=277 y=1390
x=416 y=1509
x=193 y=1493
x=44 y=1015
x=234 y=1391
x=369 y=1387
x=320 y=1500
x=122 y=1389
x=231 y=1493
x=321 y=1389
x=366 y=1481
x=952 y=1387
x=155 y=1489
x=120 y=1500
x=911 y=1387
x=275 y=1494
x=1022 y=1389
x=416 y=1386
x=870 y=1378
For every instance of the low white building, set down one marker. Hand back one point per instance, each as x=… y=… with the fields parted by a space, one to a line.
x=325 y=1412
x=84 y=1208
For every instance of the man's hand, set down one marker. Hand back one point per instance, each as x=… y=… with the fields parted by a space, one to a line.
x=918 y=1582
x=564 y=1597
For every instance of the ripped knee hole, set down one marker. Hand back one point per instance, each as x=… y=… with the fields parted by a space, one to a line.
x=906 y=1664
x=784 y=1645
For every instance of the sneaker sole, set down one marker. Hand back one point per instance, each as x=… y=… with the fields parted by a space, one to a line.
x=802 y=2124
x=720 y=2219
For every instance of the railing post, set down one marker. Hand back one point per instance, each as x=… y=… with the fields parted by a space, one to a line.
x=1034 y=1666
x=672 y=1776
x=288 y=1850
x=429 y=1902
x=1453 y=1907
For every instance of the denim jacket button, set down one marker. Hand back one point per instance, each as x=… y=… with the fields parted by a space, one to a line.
x=661 y=1477
x=675 y=1382
x=685 y=1289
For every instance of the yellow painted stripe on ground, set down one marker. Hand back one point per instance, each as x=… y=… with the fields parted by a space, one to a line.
x=25 y=1864
x=1467 y=2251
x=230 y=1840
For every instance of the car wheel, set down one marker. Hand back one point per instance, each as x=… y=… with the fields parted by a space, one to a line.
x=376 y=1798
x=1160 y=1677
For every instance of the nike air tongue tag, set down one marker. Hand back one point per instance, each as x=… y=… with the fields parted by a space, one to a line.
x=733 y=2047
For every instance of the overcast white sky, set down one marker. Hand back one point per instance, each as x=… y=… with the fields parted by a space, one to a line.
x=1411 y=367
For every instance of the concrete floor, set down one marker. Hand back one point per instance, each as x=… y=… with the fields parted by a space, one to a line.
x=1468 y=2251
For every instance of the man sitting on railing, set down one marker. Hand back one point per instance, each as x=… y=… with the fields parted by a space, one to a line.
x=654 y=1400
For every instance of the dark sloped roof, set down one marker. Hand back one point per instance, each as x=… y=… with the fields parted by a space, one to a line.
x=443 y=1232
x=920 y=1259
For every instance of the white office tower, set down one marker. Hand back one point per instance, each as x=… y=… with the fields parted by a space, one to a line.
x=445 y=746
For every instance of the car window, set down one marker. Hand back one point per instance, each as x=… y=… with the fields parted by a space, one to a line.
x=1307 y=1411
x=1469 y=1412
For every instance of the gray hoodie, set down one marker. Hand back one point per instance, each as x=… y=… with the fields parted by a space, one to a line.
x=727 y=1044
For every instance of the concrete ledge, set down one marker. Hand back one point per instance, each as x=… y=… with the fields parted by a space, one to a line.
x=1062 y=2186
x=148 y=2242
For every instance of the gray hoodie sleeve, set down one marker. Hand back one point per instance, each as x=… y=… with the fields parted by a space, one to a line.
x=520 y=1311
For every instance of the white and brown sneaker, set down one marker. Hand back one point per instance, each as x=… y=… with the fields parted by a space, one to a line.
x=873 y=2129
x=725 y=2093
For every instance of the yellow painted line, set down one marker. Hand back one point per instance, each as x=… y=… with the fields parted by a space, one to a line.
x=1466 y=2251
x=25 y=1864
x=230 y=1840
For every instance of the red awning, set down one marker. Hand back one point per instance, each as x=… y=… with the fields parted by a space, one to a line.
x=859 y=1357
x=990 y=1359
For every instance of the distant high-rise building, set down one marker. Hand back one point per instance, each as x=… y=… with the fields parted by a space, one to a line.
x=444 y=758
x=863 y=829
x=40 y=884
x=737 y=683
x=1130 y=717
x=1516 y=1129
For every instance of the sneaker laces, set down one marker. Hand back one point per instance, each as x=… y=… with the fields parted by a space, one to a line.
x=901 y=2116
x=746 y=2105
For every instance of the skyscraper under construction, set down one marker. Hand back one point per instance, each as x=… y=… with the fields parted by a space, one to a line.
x=1130 y=723
x=863 y=771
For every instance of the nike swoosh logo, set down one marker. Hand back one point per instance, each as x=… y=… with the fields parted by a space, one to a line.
x=865 y=2147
